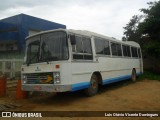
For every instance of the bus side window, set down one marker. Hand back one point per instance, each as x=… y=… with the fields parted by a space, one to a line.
x=87 y=49
x=134 y=52
x=99 y=46
x=116 y=49
x=79 y=47
x=82 y=49
x=102 y=46
x=126 y=51
x=106 y=48
x=139 y=53
x=87 y=45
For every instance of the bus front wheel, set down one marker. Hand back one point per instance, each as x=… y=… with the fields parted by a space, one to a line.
x=93 y=87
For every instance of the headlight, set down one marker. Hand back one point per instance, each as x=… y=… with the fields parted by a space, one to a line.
x=24 y=79
x=56 y=76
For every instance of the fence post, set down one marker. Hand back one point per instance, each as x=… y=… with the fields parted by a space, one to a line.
x=2 y=85
x=3 y=67
x=11 y=69
x=14 y=68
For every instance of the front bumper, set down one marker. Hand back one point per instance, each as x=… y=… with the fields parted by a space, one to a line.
x=47 y=88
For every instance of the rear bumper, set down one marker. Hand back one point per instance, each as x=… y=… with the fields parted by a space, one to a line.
x=47 y=88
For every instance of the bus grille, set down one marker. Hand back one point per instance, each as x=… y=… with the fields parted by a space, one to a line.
x=39 y=78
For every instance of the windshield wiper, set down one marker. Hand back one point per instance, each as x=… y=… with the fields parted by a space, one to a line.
x=47 y=59
x=36 y=55
x=52 y=58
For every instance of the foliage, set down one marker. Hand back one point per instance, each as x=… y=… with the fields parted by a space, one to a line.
x=131 y=30
x=153 y=49
x=151 y=24
x=149 y=75
x=145 y=29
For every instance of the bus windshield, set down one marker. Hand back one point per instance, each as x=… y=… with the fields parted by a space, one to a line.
x=47 y=47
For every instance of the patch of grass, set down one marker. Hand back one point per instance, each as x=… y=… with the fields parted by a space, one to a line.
x=149 y=75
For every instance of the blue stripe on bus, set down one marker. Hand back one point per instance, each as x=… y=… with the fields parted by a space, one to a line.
x=83 y=85
x=112 y=80
x=80 y=86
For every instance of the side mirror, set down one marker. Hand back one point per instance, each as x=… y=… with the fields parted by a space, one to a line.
x=73 y=39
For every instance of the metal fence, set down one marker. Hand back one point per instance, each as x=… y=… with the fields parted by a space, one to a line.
x=11 y=67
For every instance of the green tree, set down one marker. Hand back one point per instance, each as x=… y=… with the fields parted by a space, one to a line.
x=150 y=28
x=151 y=24
x=131 y=31
x=145 y=29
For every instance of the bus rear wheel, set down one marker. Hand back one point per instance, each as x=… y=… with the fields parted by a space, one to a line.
x=134 y=77
x=93 y=87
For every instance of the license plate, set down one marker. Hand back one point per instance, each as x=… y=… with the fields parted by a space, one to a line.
x=37 y=88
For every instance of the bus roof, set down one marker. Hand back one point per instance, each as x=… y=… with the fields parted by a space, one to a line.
x=89 y=34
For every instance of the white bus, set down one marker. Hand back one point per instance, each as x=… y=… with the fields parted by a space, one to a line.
x=69 y=60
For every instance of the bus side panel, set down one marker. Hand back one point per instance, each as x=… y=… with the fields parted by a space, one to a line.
x=81 y=74
x=117 y=69
x=111 y=69
x=65 y=73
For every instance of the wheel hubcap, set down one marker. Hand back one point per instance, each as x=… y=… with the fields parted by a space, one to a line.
x=94 y=84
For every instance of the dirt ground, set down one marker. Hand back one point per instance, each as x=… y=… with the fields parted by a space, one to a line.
x=143 y=95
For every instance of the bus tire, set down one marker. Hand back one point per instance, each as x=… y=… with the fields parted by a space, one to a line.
x=93 y=87
x=133 y=77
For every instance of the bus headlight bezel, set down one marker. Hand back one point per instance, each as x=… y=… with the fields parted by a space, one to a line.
x=24 y=79
x=56 y=76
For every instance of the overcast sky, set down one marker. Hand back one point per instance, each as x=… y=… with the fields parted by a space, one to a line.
x=107 y=17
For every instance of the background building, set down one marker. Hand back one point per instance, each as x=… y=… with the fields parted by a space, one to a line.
x=14 y=30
